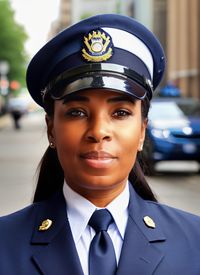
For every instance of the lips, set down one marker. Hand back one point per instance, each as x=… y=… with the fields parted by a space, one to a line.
x=98 y=159
x=97 y=155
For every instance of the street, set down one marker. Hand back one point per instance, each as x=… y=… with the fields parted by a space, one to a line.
x=177 y=184
x=20 y=153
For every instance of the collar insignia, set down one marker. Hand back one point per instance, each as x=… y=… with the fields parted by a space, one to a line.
x=97 y=46
x=46 y=224
x=149 y=222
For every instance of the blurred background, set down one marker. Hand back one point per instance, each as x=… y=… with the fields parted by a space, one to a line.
x=172 y=147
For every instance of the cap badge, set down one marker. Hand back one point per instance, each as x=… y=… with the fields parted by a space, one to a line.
x=149 y=222
x=46 y=224
x=97 y=46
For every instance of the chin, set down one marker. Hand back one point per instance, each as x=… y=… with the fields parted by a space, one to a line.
x=103 y=182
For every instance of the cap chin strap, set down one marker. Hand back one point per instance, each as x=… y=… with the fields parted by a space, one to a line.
x=100 y=75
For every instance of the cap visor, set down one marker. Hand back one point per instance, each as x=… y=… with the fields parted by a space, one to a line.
x=118 y=83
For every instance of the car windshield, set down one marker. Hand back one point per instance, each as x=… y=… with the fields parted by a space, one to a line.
x=165 y=110
x=174 y=110
x=190 y=108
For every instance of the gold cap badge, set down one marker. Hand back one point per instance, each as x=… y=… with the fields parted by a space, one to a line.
x=149 y=222
x=97 y=46
x=46 y=224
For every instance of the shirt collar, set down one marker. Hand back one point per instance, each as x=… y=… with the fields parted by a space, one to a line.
x=119 y=210
x=80 y=210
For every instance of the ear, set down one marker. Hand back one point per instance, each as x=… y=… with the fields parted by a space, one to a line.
x=142 y=136
x=50 y=129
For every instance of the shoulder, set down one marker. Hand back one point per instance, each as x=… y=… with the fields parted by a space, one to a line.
x=25 y=220
x=174 y=224
x=169 y=211
x=21 y=219
x=163 y=214
x=20 y=230
x=175 y=219
x=16 y=231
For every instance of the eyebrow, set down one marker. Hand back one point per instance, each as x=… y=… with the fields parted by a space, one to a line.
x=75 y=97
x=122 y=98
x=115 y=99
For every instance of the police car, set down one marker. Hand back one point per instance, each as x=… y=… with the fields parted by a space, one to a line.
x=173 y=131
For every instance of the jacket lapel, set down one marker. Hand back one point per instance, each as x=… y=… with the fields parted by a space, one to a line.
x=54 y=248
x=139 y=253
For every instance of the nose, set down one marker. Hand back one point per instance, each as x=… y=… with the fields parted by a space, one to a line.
x=99 y=130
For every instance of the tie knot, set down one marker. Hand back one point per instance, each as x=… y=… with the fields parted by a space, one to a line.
x=100 y=220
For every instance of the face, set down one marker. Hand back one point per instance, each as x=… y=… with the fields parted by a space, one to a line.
x=97 y=134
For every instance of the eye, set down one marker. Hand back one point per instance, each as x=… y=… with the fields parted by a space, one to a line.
x=76 y=113
x=121 y=113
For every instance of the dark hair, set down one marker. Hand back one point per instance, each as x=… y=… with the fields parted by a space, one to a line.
x=51 y=175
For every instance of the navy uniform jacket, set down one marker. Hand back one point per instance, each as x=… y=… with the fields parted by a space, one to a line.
x=172 y=247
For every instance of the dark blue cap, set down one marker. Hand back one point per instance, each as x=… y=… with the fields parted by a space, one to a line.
x=105 y=51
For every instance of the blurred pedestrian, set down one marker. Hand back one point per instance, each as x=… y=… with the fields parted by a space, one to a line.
x=17 y=107
x=93 y=211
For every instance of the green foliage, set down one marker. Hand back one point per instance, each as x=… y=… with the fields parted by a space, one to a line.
x=12 y=39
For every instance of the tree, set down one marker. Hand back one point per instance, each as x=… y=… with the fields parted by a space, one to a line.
x=12 y=39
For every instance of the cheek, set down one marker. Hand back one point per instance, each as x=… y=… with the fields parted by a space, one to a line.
x=65 y=133
x=130 y=142
x=67 y=139
x=131 y=135
x=66 y=136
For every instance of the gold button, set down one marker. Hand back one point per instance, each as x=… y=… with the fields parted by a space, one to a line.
x=149 y=222
x=46 y=224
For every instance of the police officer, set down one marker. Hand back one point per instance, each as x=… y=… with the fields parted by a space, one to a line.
x=93 y=211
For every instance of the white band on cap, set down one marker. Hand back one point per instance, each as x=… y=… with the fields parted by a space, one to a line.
x=129 y=42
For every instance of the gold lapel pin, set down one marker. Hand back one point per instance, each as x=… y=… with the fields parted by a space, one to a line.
x=46 y=224
x=149 y=222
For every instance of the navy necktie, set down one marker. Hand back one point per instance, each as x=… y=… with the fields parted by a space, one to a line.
x=102 y=259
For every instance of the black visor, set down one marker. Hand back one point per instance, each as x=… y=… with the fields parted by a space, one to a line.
x=100 y=76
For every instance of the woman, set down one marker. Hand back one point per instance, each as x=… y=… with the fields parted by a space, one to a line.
x=93 y=211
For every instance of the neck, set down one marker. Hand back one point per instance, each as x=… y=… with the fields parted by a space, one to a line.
x=101 y=197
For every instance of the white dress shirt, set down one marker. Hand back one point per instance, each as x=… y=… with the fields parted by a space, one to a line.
x=79 y=212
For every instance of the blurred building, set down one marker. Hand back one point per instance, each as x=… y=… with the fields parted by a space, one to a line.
x=64 y=18
x=71 y=11
x=176 y=23
x=183 y=41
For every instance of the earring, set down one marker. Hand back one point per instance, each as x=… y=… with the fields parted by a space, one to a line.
x=141 y=147
x=51 y=144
